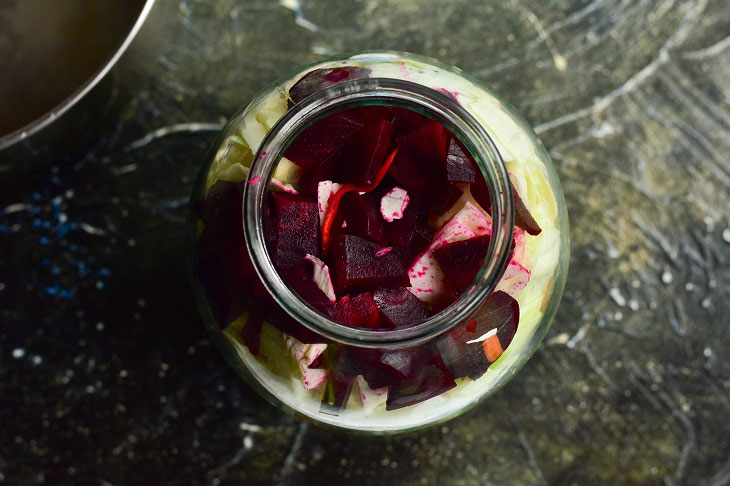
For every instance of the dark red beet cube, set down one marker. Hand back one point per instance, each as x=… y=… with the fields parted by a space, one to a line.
x=221 y=258
x=297 y=227
x=341 y=381
x=313 y=175
x=322 y=139
x=430 y=380
x=415 y=175
x=400 y=232
x=322 y=78
x=400 y=308
x=460 y=358
x=358 y=311
x=459 y=165
x=394 y=364
x=357 y=267
x=480 y=192
x=461 y=260
x=300 y=280
x=499 y=311
x=427 y=143
x=364 y=154
x=361 y=216
x=523 y=218
x=406 y=120
x=442 y=196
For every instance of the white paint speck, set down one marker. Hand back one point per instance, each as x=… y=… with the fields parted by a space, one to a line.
x=37 y=360
x=99 y=326
x=726 y=235
x=667 y=277
x=62 y=218
x=250 y=427
x=706 y=303
x=707 y=352
x=617 y=297
x=247 y=442
x=2 y=286
x=18 y=353
x=633 y=305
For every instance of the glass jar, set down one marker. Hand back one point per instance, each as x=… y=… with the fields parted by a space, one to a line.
x=244 y=295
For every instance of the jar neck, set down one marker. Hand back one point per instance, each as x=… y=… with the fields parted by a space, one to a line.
x=381 y=91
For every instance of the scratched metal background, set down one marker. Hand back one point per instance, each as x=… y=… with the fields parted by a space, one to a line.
x=107 y=377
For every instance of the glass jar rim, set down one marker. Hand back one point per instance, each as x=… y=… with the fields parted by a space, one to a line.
x=397 y=92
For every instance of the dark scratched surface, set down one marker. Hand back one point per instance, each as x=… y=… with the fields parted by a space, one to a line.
x=106 y=375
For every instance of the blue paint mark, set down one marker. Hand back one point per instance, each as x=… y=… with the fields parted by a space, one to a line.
x=104 y=272
x=43 y=240
x=55 y=290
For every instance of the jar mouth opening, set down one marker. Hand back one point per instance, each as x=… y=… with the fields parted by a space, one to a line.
x=380 y=91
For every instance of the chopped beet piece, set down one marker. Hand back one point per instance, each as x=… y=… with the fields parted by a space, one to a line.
x=252 y=331
x=372 y=114
x=357 y=267
x=461 y=260
x=459 y=165
x=222 y=262
x=358 y=311
x=297 y=227
x=313 y=175
x=322 y=78
x=499 y=311
x=430 y=380
x=362 y=218
x=400 y=232
x=400 y=308
x=341 y=381
x=300 y=280
x=442 y=197
x=413 y=174
x=462 y=359
x=407 y=120
x=523 y=218
x=427 y=143
x=394 y=364
x=480 y=192
x=364 y=154
x=323 y=138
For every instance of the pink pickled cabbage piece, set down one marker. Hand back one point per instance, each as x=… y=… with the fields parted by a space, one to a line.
x=304 y=355
x=325 y=190
x=370 y=398
x=428 y=281
x=519 y=237
x=383 y=251
x=393 y=204
x=281 y=186
x=322 y=277
x=515 y=278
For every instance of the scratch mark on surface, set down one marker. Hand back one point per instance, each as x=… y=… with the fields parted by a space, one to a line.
x=192 y=127
x=558 y=59
x=708 y=51
x=634 y=81
x=288 y=466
